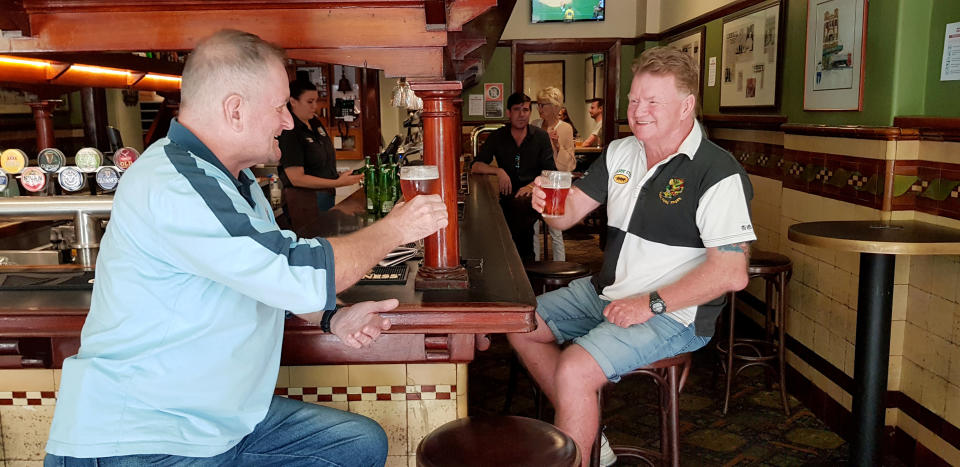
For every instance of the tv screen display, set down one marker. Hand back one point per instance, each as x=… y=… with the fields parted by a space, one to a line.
x=566 y=11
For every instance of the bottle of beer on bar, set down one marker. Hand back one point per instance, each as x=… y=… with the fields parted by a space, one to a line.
x=370 y=186
x=388 y=186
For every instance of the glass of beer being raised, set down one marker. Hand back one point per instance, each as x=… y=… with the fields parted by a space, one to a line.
x=555 y=185
x=419 y=180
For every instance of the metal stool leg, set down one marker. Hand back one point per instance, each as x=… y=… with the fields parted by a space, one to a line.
x=731 y=315
x=781 y=314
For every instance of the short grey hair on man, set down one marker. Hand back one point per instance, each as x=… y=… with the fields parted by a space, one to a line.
x=228 y=62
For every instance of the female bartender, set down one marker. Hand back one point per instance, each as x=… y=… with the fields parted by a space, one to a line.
x=308 y=158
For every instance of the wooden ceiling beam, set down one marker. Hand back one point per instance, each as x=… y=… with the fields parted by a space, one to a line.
x=47 y=6
x=395 y=62
x=175 y=30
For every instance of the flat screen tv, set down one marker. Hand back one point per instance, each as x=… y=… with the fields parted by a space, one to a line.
x=566 y=11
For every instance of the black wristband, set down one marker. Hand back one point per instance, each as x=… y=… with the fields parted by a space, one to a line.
x=325 y=321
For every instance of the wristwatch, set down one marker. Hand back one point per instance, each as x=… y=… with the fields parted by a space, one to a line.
x=657 y=305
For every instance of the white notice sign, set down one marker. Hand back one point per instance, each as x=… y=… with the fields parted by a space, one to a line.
x=476 y=104
x=712 y=73
x=950 y=70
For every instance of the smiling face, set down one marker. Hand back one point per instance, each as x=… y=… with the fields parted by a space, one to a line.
x=659 y=113
x=267 y=116
x=305 y=106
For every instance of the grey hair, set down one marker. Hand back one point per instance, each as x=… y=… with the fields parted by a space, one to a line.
x=551 y=95
x=227 y=62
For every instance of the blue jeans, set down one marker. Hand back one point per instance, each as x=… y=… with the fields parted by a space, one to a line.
x=575 y=313
x=293 y=433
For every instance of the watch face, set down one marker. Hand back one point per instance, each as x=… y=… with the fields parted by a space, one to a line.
x=657 y=307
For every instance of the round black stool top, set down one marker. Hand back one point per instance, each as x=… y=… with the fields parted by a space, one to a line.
x=556 y=269
x=497 y=440
x=766 y=262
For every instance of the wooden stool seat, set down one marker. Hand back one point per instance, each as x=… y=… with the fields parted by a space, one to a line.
x=775 y=269
x=670 y=374
x=497 y=440
x=551 y=275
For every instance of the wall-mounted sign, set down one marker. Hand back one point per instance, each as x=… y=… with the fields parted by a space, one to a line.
x=493 y=100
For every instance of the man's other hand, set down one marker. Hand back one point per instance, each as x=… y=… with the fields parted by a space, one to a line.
x=421 y=216
x=527 y=190
x=504 y=180
x=359 y=325
x=538 y=199
x=629 y=311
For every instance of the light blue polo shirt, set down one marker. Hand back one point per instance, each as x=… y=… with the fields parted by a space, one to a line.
x=180 y=351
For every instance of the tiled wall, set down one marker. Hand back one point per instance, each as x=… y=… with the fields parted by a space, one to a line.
x=408 y=401
x=925 y=333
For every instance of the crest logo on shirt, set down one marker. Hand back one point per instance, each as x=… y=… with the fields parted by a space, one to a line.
x=621 y=176
x=671 y=195
x=309 y=140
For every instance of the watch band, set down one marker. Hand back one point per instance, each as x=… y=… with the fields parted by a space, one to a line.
x=325 y=320
x=657 y=305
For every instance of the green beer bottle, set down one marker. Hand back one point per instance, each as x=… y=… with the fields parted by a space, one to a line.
x=370 y=187
x=387 y=186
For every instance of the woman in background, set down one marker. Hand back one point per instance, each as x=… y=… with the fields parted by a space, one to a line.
x=566 y=118
x=549 y=104
x=308 y=158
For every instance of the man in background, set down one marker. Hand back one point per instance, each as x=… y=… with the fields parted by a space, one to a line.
x=596 y=133
x=522 y=151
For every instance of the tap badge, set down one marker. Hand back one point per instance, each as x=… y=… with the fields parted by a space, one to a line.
x=621 y=176
x=671 y=195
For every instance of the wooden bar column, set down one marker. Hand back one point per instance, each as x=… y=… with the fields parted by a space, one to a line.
x=441 y=143
x=43 y=117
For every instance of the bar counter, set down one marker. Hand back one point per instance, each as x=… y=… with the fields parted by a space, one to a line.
x=428 y=326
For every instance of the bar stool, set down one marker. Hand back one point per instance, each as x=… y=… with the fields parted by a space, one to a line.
x=497 y=440
x=670 y=374
x=775 y=269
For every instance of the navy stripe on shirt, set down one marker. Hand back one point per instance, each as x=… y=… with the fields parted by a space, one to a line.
x=238 y=224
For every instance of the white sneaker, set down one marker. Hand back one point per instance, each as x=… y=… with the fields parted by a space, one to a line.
x=607 y=457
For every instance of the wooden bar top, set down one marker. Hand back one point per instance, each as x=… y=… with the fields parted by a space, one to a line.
x=431 y=325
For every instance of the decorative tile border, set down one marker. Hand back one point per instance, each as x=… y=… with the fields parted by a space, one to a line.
x=28 y=398
x=925 y=186
x=370 y=393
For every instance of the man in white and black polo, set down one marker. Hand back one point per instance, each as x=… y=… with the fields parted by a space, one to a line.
x=678 y=238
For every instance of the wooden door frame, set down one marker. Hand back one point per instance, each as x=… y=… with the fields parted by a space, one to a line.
x=609 y=47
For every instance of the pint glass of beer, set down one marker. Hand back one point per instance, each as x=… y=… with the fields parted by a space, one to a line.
x=555 y=185
x=419 y=180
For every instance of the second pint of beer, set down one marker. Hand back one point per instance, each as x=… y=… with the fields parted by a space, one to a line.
x=419 y=180
x=555 y=185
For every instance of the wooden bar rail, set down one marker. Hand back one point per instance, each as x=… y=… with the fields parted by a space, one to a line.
x=428 y=326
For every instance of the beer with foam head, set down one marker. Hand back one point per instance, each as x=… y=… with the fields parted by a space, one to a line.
x=556 y=185
x=419 y=180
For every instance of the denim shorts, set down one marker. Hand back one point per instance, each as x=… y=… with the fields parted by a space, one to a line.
x=575 y=313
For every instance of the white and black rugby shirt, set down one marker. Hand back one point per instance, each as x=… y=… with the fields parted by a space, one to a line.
x=661 y=221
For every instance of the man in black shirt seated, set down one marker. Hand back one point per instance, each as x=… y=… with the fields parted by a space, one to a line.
x=522 y=152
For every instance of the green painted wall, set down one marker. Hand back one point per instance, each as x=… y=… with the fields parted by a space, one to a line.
x=497 y=71
x=942 y=98
x=904 y=46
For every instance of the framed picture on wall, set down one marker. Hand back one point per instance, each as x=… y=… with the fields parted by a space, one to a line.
x=750 y=59
x=593 y=73
x=836 y=45
x=539 y=75
x=691 y=42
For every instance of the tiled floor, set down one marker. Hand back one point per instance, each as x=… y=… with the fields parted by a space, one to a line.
x=755 y=432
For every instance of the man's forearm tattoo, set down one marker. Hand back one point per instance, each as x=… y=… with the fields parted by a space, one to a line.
x=735 y=247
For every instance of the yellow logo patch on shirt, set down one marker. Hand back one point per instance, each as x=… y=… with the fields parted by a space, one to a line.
x=671 y=195
x=621 y=176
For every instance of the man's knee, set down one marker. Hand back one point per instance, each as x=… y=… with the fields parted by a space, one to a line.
x=578 y=371
x=370 y=439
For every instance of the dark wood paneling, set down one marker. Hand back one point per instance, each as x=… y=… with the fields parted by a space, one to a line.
x=747 y=122
x=888 y=133
x=932 y=128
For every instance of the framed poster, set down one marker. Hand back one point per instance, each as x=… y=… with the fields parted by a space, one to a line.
x=539 y=75
x=593 y=73
x=750 y=59
x=836 y=44
x=691 y=42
